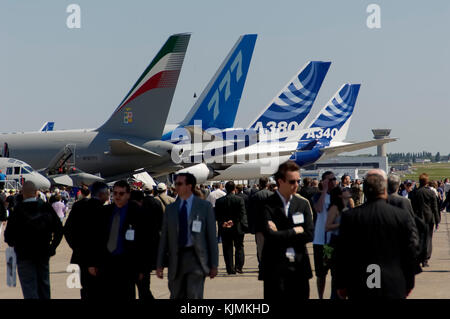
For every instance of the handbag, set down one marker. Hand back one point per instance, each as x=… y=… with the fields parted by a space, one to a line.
x=328 y=250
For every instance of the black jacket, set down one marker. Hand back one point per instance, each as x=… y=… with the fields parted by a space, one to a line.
x=231 y=207
x=34 y=230
x=3 y=214
x=425 y=205
x=79 y=228
x=153 y=214
x=376 y=233
x=274 y=260
x=255 y=213
x=134 y=251
x=245 y=198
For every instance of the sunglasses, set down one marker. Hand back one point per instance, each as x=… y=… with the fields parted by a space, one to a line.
x=119 y=193
x=179 y=184
x=294 y=181
x=332 y=179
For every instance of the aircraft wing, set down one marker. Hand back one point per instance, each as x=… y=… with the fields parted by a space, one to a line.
x=334 y=150
x=124 y=148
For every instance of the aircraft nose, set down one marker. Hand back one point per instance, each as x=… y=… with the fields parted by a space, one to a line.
x=42 y=182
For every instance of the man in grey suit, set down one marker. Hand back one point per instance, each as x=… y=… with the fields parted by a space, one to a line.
x=188 y=237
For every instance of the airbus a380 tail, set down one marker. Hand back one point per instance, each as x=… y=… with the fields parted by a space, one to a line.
x=290 y=108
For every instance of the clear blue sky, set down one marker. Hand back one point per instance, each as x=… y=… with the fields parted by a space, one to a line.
x=77 y=77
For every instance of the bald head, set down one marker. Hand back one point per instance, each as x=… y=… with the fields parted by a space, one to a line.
x=375 y=184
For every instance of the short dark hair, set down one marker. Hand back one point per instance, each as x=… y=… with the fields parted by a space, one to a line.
x=230 y=186
x=97 y=187
x=344 y=176
x=136 y=195
x=239 y=187
x=423 y=179
x=324 y=175
x=374 y=185
x=289 y=166
x=263 y=181
x=307 y=181
x=122 y=184
x=85 y=192
x=190 y=179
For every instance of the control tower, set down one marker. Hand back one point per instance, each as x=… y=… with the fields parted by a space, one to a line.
x=379 y=134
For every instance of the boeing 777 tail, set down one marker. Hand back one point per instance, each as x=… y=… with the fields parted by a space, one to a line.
x=143 y=112
x=218 y=104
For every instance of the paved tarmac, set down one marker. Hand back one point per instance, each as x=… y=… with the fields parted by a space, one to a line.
x=432 y=283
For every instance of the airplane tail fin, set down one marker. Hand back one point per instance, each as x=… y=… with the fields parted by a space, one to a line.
x=290 y=107
x=143 y=112
x=223 y=92
x=333 y=120
x=47 y=127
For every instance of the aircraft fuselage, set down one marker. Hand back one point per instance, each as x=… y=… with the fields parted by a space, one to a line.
x=91 y=150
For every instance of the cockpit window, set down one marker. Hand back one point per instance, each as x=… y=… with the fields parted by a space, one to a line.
x=26 y=170
x=17 y=170
x=9 y=171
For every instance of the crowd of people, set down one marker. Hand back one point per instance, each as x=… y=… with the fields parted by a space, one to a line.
x=120 y=235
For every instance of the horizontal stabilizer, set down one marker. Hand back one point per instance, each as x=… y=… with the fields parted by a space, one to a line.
x=351 y=147
x=309 y=146
x=124 y=148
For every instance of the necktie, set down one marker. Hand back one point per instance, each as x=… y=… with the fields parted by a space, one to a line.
x=183 y=226
x=114 y=232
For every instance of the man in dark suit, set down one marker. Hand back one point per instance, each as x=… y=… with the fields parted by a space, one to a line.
x=394 y=198
x=231 y=223
x=188 y=237
x=376 y=247
x=240 y=193
x=425 y=204
x=255 y=214
x=152 y=214
x=119 y=246
x=78 y=232
x=286 y=268
x=308 y=191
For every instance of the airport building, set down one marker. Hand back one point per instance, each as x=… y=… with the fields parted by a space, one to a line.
x=355 y=166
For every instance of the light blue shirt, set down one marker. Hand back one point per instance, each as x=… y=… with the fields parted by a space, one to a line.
x=189 y=202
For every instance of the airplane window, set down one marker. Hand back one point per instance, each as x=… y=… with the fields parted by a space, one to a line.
x=17 y=170
x=25 y=170
x=9 y=171
x=28 y=169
